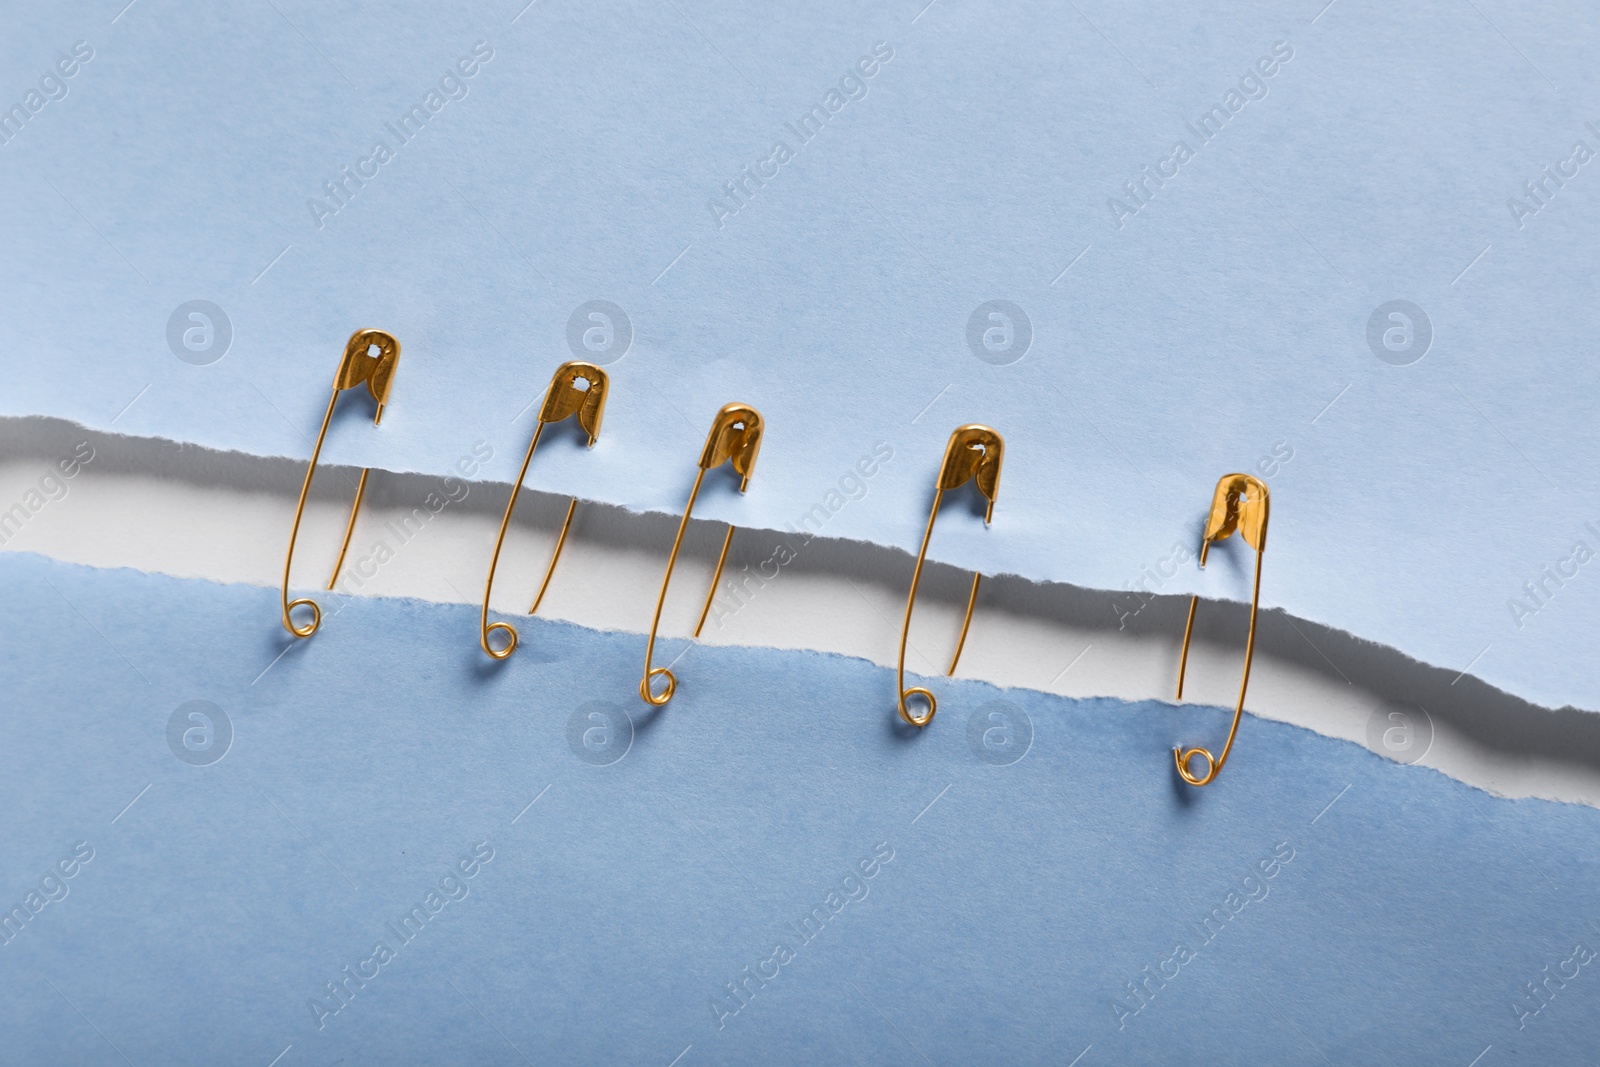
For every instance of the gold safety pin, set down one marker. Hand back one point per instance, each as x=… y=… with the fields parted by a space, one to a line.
x=1240 y=503
x=576 y=388
x=973 y=454
x=360 y=364
x=735 y=437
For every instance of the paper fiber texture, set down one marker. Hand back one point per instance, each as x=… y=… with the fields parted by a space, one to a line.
x=1345 y=247
x=521 y=862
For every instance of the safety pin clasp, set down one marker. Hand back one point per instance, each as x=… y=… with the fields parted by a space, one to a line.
x=1241 y=503
x=370 y=358
x=974 y=453
x=576 y=388
x=735 y=439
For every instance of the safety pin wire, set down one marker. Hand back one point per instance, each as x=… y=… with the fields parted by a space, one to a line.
x=905 y=629
x=349 y=528
x=1188 y=626
x=485 y=627
x=966 y=624
x=711 y=594
x=1214 y=766
x=651 y=673
x=555 y=557
x=299 y=512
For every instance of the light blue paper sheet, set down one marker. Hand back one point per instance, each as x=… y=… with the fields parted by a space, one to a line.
x=1240 y=319
x=984 y=890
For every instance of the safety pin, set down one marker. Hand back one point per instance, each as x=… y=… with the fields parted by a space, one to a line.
x=735 y=437
x=1240 y=503
x=360 y=364
x=973 y=454
x=575 y=388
